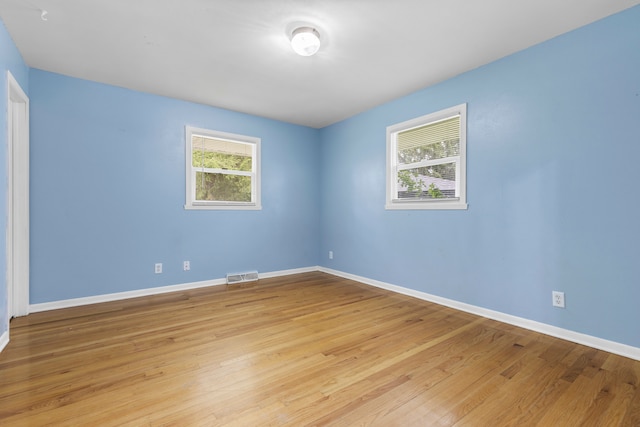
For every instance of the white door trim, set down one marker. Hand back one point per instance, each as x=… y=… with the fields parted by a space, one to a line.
x=17 y=199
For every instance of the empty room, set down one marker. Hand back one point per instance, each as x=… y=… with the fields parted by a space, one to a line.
x=320 y=212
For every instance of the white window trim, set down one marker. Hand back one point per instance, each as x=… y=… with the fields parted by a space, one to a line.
x=191 y=203
x=392 y=163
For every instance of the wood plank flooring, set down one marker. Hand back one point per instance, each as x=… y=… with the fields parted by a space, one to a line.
x=309 y=349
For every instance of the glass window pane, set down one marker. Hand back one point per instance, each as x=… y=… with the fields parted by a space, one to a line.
x=222 y=187
x=432 y=182
x=438 y=150
x=219 y=154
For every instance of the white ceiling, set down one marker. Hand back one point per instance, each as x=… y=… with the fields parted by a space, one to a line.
x=235 y=54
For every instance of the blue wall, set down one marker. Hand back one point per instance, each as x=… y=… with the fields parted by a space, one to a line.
x=553 y=148
x=10 y=60
x=108 y=193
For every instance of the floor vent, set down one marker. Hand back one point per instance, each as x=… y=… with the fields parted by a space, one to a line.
x=248 y=276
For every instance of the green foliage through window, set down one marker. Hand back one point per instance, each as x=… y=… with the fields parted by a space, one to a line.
x=213 y=160
x=223 y=188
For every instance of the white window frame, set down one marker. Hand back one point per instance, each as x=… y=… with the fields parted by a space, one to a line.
x=459 y=202
x=191 y=202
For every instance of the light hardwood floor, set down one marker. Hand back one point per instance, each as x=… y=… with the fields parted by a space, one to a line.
x=309 y=349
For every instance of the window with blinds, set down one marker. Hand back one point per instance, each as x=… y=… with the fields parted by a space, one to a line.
x=426 y=161
x=222 y=170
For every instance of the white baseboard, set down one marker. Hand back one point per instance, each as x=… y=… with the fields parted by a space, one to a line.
x=75 y=302
x=566 y=334
x=4 y=340
x=288 y=272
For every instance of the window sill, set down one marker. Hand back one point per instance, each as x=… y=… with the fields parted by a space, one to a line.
x=224 y=206
x=426 y=205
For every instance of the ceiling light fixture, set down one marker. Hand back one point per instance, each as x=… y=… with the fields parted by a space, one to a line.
x=305 y=41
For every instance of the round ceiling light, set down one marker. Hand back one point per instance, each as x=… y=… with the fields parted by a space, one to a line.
x=305 y=41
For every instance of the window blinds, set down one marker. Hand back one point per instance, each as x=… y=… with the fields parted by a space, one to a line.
x=214 y=145
x=444 y=130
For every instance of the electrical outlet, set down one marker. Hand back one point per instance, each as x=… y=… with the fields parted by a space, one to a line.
x=186 y=266
x=158 y=268
x=558 y=299
x=330 y=254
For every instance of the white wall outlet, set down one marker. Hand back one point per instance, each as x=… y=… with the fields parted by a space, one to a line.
x=558 y=299
x=186 y=266
x=158 y=267
x=330 y=254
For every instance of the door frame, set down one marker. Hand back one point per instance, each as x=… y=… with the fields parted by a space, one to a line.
x=17 y=232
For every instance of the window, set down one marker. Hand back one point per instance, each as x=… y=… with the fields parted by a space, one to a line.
x=426 y=161
x=223 y=170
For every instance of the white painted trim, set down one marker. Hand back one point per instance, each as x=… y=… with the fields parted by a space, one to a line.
x=566 y=334
x=288 y=272
x=4 y=340
x=430 y=205
x=75 y=302
x=221 y=206
x=17 y=225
